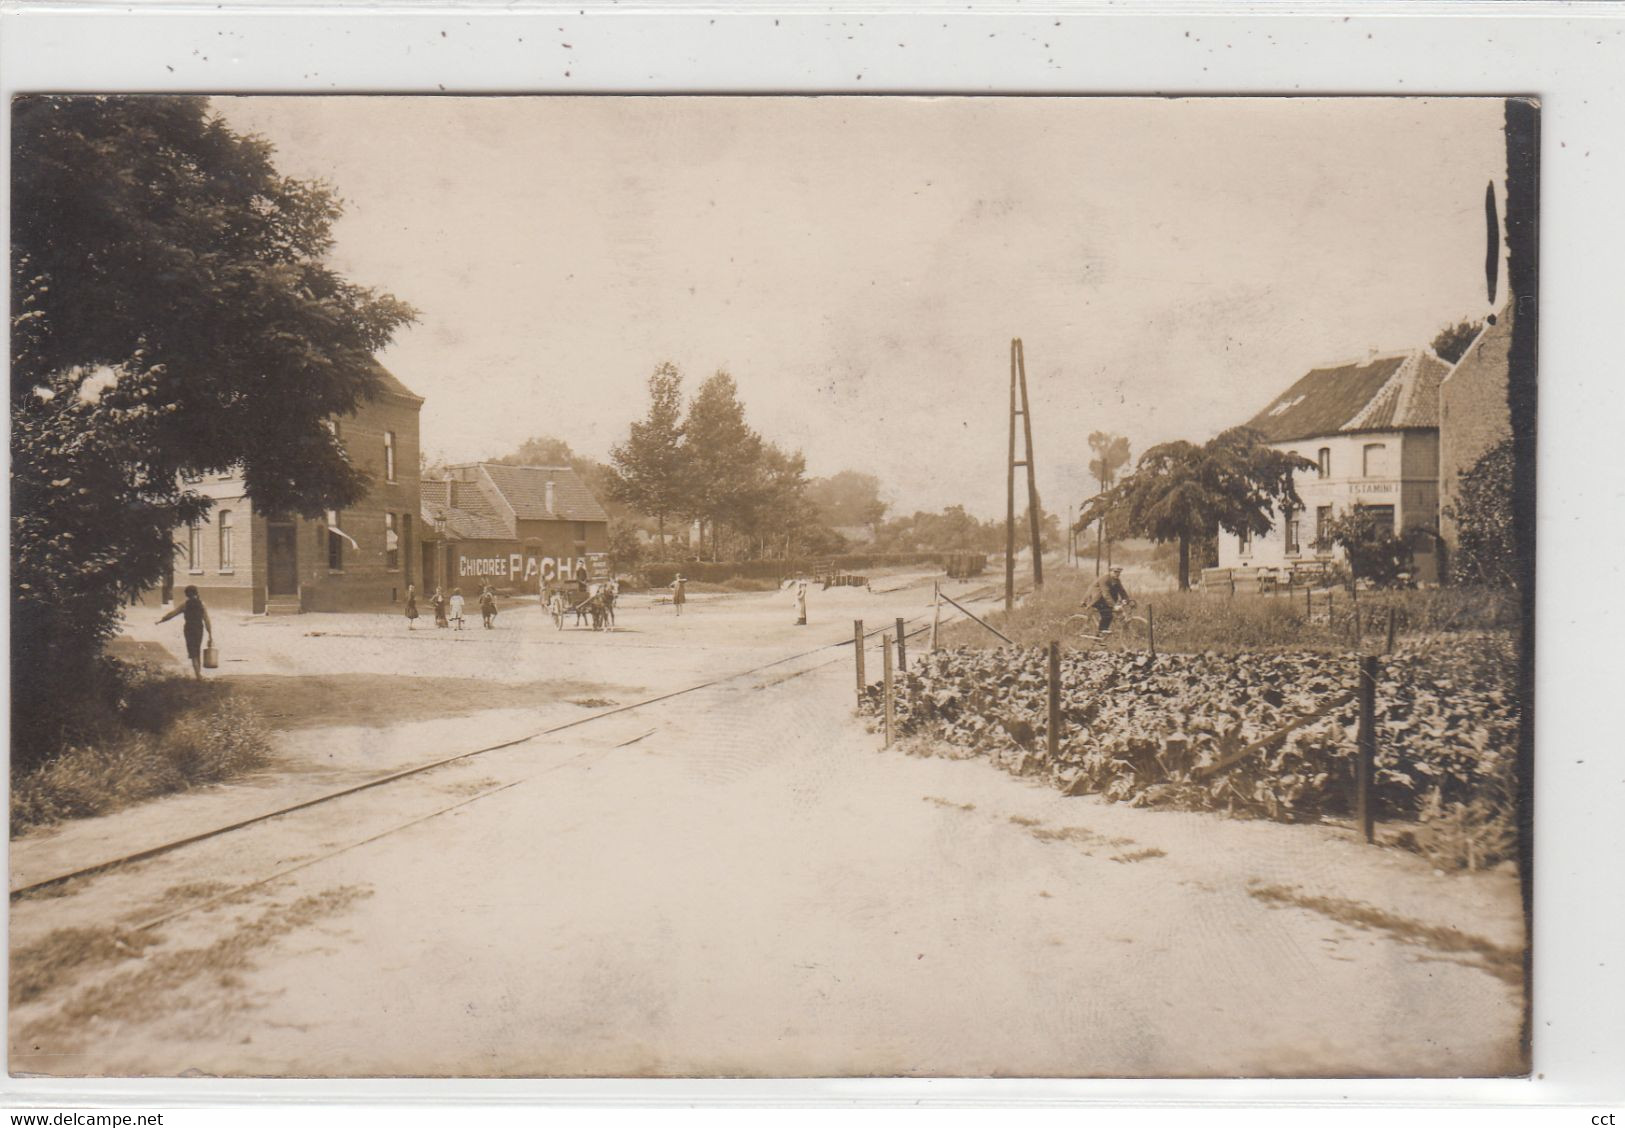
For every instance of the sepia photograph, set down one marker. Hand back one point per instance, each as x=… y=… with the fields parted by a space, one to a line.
x=772 y=587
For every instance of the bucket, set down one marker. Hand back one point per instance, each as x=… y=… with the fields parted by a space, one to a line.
x=211 y=658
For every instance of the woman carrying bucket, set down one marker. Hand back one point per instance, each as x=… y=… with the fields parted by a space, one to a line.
x=192 y=628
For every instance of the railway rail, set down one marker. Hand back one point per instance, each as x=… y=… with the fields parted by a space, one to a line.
x=163 y=848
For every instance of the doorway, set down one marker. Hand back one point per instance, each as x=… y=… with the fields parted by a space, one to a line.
x=282 y=558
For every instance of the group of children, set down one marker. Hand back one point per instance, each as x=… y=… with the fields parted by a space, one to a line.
x=449 y=611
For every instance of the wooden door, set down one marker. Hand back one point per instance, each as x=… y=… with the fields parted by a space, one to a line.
x=282 y=558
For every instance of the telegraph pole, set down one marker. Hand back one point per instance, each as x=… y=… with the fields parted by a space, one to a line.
x=1018 y=406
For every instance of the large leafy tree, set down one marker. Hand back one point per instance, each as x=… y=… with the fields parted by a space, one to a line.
x=172 y=316
x=848 y=498
x=1182 y=492
x=650 y=468
x=724 y=456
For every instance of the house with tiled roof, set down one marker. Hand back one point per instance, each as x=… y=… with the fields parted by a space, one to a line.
x=360 y=558
x=519 y=528
x=1372 y=429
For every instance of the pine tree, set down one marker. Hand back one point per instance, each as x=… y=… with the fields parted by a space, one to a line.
x=650 y=471
x=724 y=456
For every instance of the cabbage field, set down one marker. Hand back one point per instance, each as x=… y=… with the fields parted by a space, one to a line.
x=1141 y=729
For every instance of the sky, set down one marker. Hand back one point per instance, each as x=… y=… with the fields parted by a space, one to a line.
x=860 y=265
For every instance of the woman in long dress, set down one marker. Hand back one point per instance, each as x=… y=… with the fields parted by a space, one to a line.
x=801 y=603
x=411 y=607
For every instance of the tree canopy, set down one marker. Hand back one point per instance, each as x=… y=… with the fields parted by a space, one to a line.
x=172 y=316
x=650 y=467
x=1180 y=491
x=848 y=498
x=1451 y=343
x=724 y=456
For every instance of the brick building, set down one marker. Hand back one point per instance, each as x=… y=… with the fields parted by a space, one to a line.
x=355 y=559
x=1474 y=414
x=1372 y=430
x=519 y=528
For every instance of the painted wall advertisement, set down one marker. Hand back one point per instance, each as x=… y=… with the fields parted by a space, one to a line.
x=520 y=569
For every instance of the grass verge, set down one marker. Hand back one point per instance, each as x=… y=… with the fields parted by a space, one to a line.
x=1191 y=622
x=162 y=734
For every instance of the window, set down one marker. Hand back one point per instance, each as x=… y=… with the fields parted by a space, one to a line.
x=1292 y=533
x=1323 y=521
x=581 y=530
x=226 y=557
x=392 y=543
x=1376 y=460
x=389 y=457
x=1325 y=461
x=335 y=542
x=1244 y=542
x=1381 y=516
x=194 y=547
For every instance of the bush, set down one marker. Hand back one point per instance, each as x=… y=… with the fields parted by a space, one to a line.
x=1486 y=545
x=659 y=575
x=165 y=735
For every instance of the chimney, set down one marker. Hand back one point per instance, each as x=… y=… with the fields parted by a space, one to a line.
x=550 y=507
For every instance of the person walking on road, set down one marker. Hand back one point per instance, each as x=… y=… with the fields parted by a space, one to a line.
x=488 y=605
x=192 y=627
x=1104 y=595
x=801 y=603
x=411 y=607
x=457 y=607
x=438 y=602
x=679 y=593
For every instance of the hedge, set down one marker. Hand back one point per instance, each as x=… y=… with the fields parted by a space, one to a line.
x=661 y=574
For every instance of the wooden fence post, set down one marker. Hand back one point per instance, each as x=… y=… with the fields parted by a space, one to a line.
x=885 y=667
x=1390 y=629
x=936 y=612
x=857 y=649
x=902 y=648
x=1232 y=583
x=1151 y=627
x=1366 y=763
x=1309 y=601
x=1054 y=702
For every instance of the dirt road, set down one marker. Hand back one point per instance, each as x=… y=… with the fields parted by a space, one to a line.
x=740 y=882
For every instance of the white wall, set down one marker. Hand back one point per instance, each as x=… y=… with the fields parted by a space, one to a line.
x=1345 y=486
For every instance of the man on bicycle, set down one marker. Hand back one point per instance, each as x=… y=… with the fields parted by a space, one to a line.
x=1104 y=595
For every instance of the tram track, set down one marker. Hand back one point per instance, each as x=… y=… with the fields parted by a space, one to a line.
x=164 y=848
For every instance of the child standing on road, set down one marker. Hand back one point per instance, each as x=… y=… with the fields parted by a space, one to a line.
x=488 y=605
x=439 y=605
x=457 y=607
x=679 y=593
x=411 y=607
x=801 y=603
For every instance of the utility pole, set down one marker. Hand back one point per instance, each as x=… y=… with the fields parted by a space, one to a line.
x=1018 y=381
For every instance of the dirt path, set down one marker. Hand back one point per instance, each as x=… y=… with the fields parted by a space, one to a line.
x=740 y=882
